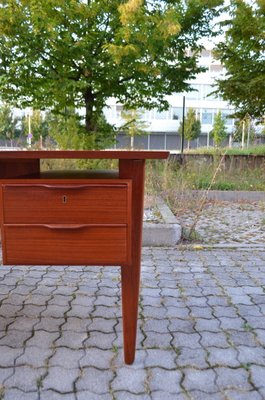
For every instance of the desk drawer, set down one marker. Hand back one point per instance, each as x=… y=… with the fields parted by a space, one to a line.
x=66 y=203
x=66 y=244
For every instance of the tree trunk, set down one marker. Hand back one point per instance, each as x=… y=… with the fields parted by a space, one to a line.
x=89 y=101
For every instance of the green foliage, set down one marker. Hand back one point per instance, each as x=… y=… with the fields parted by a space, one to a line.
x=252 y=150
x=192 y=126
x=38 y=125
x=218 y=132
x=56 y=54
x=242 y=54
x=68 y=132
x=8 y=123
x=133 y=125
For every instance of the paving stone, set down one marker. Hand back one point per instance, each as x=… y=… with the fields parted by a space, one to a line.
x=228 y=378
x=161 y=395
x=86 y=395
x=73 y=340
x=238 y=395
x=122 y=395
x=158 y=326
x=23 y=323
x=217 y=339
x=157 y=340
x=102 y=325
x=192 y=358
x=43 y=339
x=107 y=312
x=162 y=358
x=203 y=380
x=209 y=325
x=60 y=379
x=55 y=311
x=254 y=355
x=15 y=339
x=242 y=338
x=34 y=357
x=167 y=381
x=49 y=324
x=258 y=375
x=8 y=355
x=127 y=379
x=66 y=358
x=15 y=394
x=51 y=395
x=100 y=340
x=94 y=357
x=226 y=357
x=175 y=312
x=191 y=340
x=95 y=381
x=4 y=374
x=25 y=378
x=9 y=310
x=231 y=323
x=185 y=326
x=201 y=395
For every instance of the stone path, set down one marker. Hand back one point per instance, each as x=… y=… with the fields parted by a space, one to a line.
x=233 y=223
x=201 y=330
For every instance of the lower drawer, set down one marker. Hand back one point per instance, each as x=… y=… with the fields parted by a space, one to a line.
x=64 y=245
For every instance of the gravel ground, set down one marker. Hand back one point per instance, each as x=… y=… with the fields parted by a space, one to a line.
x=228 y=223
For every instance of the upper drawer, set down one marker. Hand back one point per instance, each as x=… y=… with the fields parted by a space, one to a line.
x=87 y=203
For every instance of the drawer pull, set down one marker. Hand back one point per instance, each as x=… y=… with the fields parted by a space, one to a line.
x=66 y=227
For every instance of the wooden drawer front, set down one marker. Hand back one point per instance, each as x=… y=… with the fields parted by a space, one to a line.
x=58 y=204
x=76 y=245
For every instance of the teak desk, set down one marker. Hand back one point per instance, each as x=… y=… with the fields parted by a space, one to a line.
x=73 y=218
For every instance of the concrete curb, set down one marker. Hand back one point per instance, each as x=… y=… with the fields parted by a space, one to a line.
x=166 y=234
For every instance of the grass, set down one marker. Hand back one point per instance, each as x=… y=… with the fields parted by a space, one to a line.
x=252 y=150
x=176 y=183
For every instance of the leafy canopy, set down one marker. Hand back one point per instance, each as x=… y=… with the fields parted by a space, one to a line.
x=219 y=131
x=58 y=53
x=243 y=55
x=192 y=126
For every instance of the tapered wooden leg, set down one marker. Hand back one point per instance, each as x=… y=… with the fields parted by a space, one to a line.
x=130 y=295
x=130 y=274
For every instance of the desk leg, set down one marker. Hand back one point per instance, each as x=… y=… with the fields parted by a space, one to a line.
x=130 y=275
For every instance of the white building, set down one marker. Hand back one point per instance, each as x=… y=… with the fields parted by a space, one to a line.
x=163 y=126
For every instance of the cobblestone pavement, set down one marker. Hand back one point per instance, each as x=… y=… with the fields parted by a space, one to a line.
x=224 y=222
x=201 y=329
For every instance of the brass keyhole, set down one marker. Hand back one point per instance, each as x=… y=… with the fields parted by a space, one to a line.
x=64 y=199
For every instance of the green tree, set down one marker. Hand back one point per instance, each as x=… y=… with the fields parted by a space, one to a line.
x=8 y=123
x=242 y=54
x=78 y=53
x=65 y=131
x=133 y=125
x=36 y=122
x=192 y=126
x=219 y=132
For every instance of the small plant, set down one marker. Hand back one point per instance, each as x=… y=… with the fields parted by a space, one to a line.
x=2 y=392
x=39 y=382
x=247 y=327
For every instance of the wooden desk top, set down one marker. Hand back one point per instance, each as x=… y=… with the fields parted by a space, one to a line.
x=86 y=154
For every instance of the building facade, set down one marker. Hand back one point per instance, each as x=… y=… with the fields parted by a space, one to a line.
x=162 y=131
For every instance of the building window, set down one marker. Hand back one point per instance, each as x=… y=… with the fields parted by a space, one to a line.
x=195 y=93
x=161 y=114
x=207 y=116
x=207 y=89
x=118 y=111
x=225 y=115
x=176 y=113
